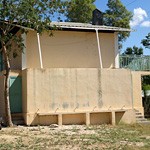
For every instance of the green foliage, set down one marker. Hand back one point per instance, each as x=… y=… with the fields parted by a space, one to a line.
x=146 y=87
x=146 y=82
x=146 y=79
x=146 y=41
x=129 y=51
x=134 y=51
x=28 y=13
x=80 y=11
x=117 y=15
x=19 y=16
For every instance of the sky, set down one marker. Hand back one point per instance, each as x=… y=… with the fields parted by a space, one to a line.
x=140 y=21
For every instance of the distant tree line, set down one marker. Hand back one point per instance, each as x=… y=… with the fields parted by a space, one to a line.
x=138 y=50
x=134 y=51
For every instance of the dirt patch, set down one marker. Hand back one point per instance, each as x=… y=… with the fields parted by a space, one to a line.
x=75 y=137
x=8 y=138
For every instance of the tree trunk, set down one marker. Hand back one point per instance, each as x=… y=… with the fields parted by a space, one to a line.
x=6 y=90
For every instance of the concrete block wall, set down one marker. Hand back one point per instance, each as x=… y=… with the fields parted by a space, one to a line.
x=78 y=96
x=58 y=95
x=137 y=89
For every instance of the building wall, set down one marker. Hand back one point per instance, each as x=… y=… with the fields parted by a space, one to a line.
x=137 y=89
x=78 y=96
x=68 y=49
x=49 y=93
x=117 y=88
x=51 y=90
x=15 y=62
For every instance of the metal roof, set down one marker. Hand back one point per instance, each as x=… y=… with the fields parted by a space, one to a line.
x=85 y=26
x=81 y=26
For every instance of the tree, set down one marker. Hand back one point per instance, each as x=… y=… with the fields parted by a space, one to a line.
x=117 y=15
x=134 y=51
x=80 y=11
x=14 y=14
x=128 y=51
x=146 y=79
x=146 y=41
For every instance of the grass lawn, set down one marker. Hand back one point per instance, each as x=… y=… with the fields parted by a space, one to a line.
x=75 y=137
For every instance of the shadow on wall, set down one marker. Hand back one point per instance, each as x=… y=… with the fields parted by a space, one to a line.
x=95 y=118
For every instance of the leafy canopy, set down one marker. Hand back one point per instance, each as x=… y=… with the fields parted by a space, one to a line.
x=117 y=15
x=30 y=13
x=146 y=41
x=80 y=11
x=35 y=14
x=18 y=15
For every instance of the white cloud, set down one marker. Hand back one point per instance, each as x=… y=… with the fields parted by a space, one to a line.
x=139 y=15
x=145 y=24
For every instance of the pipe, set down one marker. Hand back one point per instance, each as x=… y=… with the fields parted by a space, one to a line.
x=75 y=109
x=99 y=49
x=123 y=107
x=40 y=51
x=56 y=110
x=94 y=108
x=109 y=108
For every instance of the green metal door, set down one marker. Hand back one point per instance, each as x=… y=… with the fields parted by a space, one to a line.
x=15 y=93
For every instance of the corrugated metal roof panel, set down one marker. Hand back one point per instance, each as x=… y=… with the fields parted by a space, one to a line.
x=85 y=26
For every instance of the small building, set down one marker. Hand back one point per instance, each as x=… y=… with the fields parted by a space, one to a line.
x=72 y=77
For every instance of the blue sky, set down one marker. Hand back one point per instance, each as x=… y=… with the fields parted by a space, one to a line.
x=140 y=22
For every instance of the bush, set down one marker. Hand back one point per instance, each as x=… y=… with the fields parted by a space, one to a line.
x=146 y=87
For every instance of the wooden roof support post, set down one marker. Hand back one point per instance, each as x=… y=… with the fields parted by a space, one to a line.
x=40 y=51
x=99 y=49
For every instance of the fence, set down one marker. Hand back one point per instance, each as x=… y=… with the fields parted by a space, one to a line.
x=137 y=63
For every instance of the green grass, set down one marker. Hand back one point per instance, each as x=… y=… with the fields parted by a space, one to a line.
x=122 y=137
